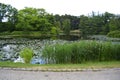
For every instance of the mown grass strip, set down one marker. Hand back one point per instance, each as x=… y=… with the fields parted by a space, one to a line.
x=86 y=65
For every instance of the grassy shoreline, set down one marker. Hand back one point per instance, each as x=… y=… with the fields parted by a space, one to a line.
x=87 y=65
x=23 y=34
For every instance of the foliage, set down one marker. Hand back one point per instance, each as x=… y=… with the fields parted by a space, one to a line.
x=66 y=26
x=74 y=20
x=33 y=19
x=57 y=26
x=95 y=24
x=114 y=34
x=8 y=17
x=54 y=31
x=84 y=25
x=26 y=54
x=115 y=24
x=7 y=11
x=82 y=51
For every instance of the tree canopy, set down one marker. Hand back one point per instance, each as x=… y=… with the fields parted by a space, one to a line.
x=8 y=17
x=33 y=19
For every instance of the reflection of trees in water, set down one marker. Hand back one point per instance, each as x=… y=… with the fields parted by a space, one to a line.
x=10 y=48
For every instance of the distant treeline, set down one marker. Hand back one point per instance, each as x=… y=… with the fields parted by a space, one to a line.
x=32 y=19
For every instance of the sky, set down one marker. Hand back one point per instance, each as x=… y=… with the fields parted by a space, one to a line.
x=72 y=7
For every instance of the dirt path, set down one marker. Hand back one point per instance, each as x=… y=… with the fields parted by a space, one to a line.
x=110 y=74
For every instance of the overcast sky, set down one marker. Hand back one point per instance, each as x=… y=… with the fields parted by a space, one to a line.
x=72 y=7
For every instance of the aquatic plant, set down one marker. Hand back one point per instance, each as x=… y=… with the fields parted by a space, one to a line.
x=82 y=51
x=26 y=54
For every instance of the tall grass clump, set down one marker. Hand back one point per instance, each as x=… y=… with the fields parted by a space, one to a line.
x=82 y=51
x=110 y=51
x=26 y=54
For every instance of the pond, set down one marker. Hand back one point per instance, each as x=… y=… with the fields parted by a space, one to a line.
x=10 y=48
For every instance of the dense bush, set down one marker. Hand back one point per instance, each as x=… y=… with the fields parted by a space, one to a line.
x=26 y=54
x=115 y=34
x=78 y=52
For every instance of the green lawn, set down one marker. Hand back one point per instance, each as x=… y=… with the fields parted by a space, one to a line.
x=87 y=65
x=24 y=34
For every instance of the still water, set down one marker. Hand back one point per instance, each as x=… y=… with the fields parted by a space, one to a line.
x=10 y=48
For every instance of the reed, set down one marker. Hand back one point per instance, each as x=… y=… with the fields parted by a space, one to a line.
x=82 y=51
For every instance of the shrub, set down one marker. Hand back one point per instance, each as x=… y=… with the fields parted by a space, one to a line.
x=26 y=54
x=54 y=31
x=115 y=34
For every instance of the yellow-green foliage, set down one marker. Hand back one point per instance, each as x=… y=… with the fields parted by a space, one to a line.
x=54 y=30
x=26 y=54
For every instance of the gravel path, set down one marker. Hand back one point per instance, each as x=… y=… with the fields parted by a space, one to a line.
x=110 y=74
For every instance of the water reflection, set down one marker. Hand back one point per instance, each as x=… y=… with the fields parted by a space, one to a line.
x=10 y=48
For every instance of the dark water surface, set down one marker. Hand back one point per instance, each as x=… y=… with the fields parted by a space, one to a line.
x=10 y=47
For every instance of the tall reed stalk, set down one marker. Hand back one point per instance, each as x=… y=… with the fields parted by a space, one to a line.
x=82 y=51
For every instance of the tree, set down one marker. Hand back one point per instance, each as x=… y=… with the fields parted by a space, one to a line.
x=84 y=25
x=3 y=11
x=58 y=26
x=33 y=19
x=115 y=23
x=74 y=20
x=66 y=26
x=107 y=17
x=96 y=23
x=8 y=17
x=26 y=17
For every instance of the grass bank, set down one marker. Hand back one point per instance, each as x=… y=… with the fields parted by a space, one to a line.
x=24 y=34
x=87 y=65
